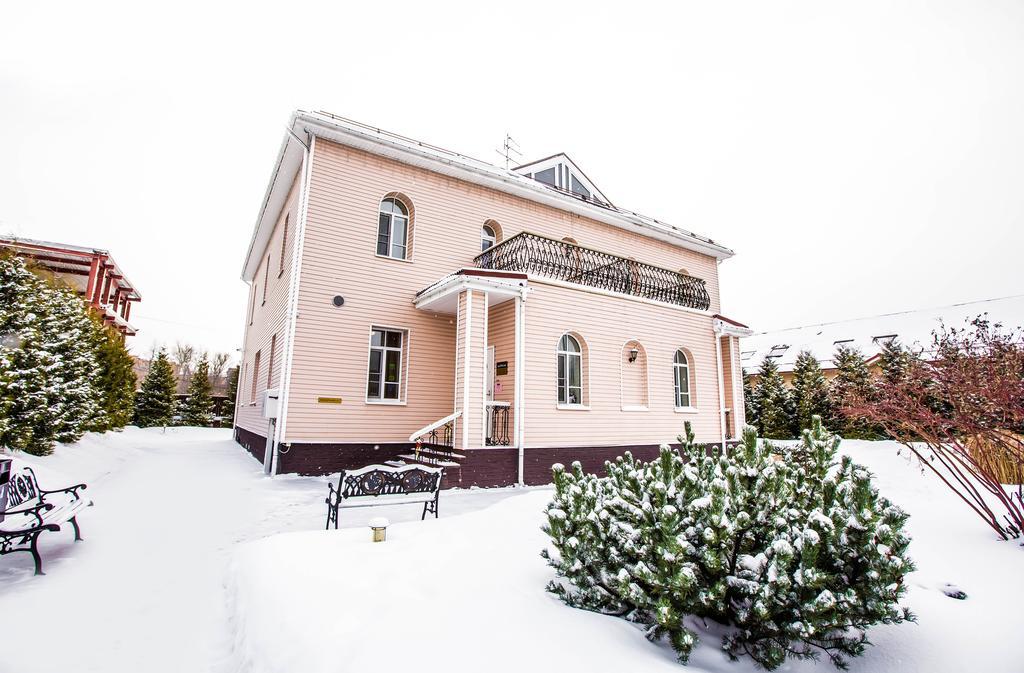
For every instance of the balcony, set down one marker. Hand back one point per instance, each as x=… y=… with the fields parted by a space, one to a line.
x=546 y=257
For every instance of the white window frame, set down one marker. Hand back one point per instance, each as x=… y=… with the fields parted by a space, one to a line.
x=484 y=238
x=403 y=365
x=677 y=389
x=563 y=385
x=391 y=229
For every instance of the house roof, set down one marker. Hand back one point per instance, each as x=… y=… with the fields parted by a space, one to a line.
x=912 y=329
x=62 y=257
x=304 y=125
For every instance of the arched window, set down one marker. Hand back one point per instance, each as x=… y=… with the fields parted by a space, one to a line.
x=393 y=229
x=488 y=237
x=681 y=369
x=570 y=371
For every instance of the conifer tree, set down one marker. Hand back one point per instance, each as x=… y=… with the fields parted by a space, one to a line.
x=749 y=408
x=894 y=362
x=155 y=402
x=47 y=366
x=22 y=385
x=775 y=412
x=198 y=408
x=73 y=398
x=232 y=393
x=799 y=557
x=116 y=381
x=810 y=392
x=851 y=384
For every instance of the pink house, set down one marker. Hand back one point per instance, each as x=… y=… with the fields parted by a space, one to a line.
x=411 y=304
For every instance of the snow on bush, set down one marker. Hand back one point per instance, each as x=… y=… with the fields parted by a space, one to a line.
x=798 y=557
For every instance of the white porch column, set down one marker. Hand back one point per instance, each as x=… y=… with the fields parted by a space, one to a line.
x=739 y=412
x=471 y=359
x=721 y=387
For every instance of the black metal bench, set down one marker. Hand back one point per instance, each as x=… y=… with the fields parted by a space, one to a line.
x=30 y=511
x=385 y=485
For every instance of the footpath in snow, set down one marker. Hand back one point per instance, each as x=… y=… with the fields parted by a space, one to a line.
x=144 y=593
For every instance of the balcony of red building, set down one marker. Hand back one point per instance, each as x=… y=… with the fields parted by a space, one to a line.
x=92 y=272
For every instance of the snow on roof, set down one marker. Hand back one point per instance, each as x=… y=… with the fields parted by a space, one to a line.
x=912 y=329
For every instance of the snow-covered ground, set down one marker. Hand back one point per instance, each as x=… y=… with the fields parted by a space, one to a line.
x=144 y=592
x=194 y=561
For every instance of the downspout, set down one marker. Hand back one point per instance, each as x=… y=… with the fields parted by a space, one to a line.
x=721 y=384
x=293 y=296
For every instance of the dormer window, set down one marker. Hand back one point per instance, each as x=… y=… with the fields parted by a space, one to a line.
x=578 y=188
x=547 y=176
x=559 y=172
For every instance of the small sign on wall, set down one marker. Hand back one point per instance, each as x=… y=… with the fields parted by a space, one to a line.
x=501 y=368
x=328 y=400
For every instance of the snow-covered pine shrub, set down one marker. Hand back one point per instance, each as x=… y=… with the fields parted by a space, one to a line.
x=47 y=366
x=797 y=558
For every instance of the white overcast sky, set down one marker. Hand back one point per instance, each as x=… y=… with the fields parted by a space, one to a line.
x=860 y=157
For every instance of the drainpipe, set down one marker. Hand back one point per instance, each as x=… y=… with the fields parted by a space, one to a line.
x=721 y=385
x=520 y=378
x=288 y=347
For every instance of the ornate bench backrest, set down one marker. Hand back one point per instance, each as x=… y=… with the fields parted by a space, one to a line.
x=381 y=481
x=22 y=487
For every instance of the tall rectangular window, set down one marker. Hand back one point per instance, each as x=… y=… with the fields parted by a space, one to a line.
x=255 y=378
x=284 y=244
x=270 y=364
x=252 y=303
x=266 y=280
x=384 y=375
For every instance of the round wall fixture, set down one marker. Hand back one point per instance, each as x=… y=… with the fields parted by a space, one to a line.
x=338 y=300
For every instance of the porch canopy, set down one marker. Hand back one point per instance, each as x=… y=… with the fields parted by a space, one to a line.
x=443 y=296
x=485 y=414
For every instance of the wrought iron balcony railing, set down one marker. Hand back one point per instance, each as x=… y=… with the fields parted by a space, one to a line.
x=532 y=253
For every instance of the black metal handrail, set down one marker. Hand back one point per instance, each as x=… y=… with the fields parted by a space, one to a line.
x=498 y=426
x=532 y=253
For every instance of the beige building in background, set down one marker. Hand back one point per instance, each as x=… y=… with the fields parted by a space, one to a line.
x=868 y=336
x=410 y=304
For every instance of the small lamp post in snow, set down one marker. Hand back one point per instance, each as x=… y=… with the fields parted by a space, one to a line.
x=379 y=526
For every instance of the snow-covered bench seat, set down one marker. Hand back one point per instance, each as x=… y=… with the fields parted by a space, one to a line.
x=385 y=485
x=31 y=511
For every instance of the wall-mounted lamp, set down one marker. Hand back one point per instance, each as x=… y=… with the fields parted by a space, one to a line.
x=633 y=353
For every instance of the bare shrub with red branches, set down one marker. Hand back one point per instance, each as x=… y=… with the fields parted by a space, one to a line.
x=964 y=392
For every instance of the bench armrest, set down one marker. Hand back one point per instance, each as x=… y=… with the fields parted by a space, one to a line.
x=73 y=490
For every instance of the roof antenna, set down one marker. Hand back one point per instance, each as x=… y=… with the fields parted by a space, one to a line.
x=508 y=148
